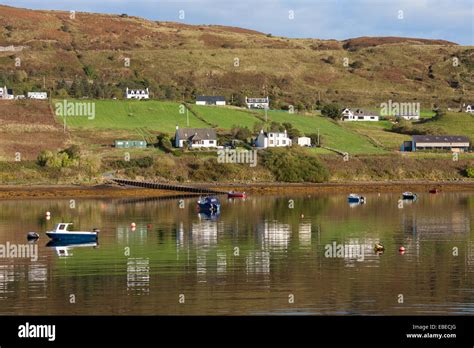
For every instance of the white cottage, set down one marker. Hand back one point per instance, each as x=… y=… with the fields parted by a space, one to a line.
x=137 y=93
x=257 y=103
x=6 y=93
x=272 y=139
x=469 y=108
x=195 y=137
x=359 y=115
x=303 y=141
x=37 y=95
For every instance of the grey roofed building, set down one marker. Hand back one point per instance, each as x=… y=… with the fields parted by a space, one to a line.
x=440 y=139
x=196 y=137
x=202 y=133
x=210 y=99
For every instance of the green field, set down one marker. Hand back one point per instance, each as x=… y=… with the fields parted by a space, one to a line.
x=453 y=123
x=225 y=117
x=379 y=133
x=122 y=114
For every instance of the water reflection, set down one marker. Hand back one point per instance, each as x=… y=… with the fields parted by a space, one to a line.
x=245 y=260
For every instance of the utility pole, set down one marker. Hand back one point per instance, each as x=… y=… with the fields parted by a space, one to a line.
x=187 y=117
x=318 y=136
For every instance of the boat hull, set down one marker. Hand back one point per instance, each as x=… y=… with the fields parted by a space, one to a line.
x=75 y=237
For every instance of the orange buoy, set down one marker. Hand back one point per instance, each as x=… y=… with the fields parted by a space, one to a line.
x=133 y=225
x=401 y=249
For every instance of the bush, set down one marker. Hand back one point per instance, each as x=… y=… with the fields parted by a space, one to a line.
x=291 y=166
x=331 y=110
x=470 y=172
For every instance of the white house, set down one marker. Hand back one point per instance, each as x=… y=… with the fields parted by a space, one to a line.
x=303 y=141
x=359 y=115
x=6 y=93
x=469 y=108
x=409 y=117
x=210 y=100
x=272 y=139
x=37 y=95
x=137 y=93
x=195 y=137
x=257 y=103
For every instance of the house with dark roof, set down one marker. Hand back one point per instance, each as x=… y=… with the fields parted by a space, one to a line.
x=195 y=137
x=359 y=115
x=137 y=94
x=454 y=143
x=210 y=100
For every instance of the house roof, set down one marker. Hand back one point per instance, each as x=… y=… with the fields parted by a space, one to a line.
x=360 y=111
x=197 y=133
x=440 y=139
x=365 y=112
x=210 y=99
x=257 y=100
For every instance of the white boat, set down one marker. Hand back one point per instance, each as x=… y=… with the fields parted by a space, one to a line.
x=62 y=233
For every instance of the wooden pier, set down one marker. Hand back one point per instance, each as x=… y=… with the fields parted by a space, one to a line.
x=157 y=186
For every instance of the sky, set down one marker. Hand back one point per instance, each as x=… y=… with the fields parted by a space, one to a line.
x=451 y=20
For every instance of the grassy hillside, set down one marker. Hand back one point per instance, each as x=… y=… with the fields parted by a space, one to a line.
x=177 y=60
x=121 y=114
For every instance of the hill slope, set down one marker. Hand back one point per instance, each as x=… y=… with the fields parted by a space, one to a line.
x=180 y=61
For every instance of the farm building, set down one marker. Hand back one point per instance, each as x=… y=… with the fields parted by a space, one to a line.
x=125 y=144
x=454 y=143
x=257 y=103
x=272 y=139
x=37 y=95
x=137 y=93
x=195 y=137
x=210 y=100
x=6 y=93
x=303 y=141
x=359 y=115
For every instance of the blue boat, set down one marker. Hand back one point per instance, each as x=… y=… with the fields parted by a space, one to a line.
x=353 y=198
x=209 y=205
x=61 y=233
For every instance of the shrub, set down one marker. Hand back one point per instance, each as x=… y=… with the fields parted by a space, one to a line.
x=331 y=110
x=291 y=166
x=470 y=172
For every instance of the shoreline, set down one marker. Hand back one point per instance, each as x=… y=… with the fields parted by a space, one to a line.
x=116 y=191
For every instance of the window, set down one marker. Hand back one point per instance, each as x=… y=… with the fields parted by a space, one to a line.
x=271 y=142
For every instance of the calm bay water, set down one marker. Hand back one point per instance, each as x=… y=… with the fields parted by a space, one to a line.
x=258 y=257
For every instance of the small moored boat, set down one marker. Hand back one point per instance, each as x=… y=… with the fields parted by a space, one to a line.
x=62 y=233
x=234 y=194
x=409 y=195
x=209 y=204
x=434 y=190
x=354 y=198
